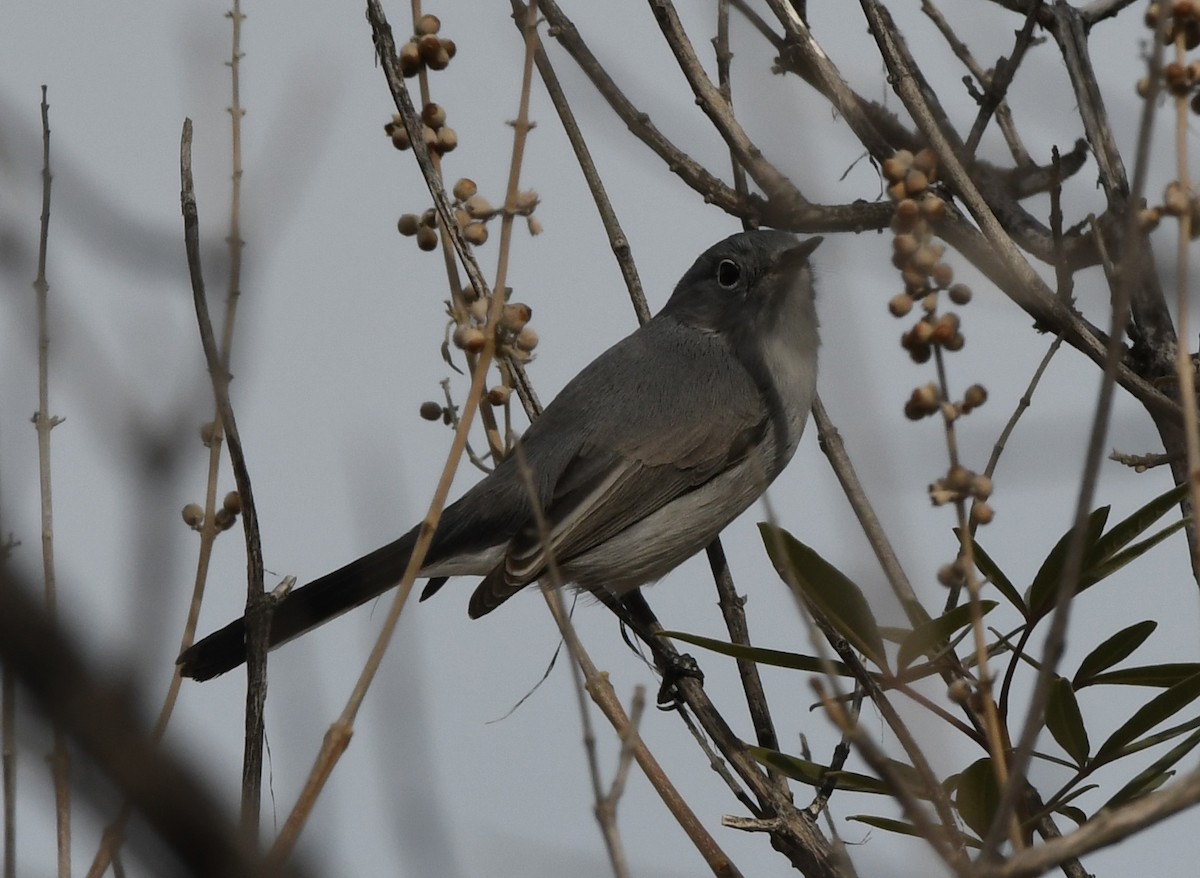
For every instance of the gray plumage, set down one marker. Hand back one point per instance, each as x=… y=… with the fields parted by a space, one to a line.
x=637 y=464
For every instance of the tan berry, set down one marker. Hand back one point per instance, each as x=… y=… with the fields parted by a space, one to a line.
x=449 y=48
x=926 y=162
x=464 y=189
x=981 y=487
x=929 y=303
x=478 y=207
x=224 y=519
x=982 y=513
x=400 y=138
x=922 y=332
x=900 y=305
x=462 y=218
x=428 y=24
x=232 y=502
x=959 y=691
x=431 y=411
x=427 y=238
x=479 y=310
x=498 y=395
x=932 y=207
x=535 y=226
x=920 y=353
x=915 y=182
x=408 y=224
x=207 y=432
x=950 y=575
x=925 y=258
x=527 y=339
x=975 y=396
x=1143 y=87
x=1175 y=199
x=515 y=316
x=475 y=233
x=433 y=115
x=526 y=201
x=897 y=191
x=468 y=338
x=193 y=516
x=410 y=59
x=447 y=140
x=955 y=343
x=440 y=60
x=942 y=274
x=897 y=166
x=960 y=294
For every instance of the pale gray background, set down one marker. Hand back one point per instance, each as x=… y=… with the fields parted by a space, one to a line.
x=337 y=345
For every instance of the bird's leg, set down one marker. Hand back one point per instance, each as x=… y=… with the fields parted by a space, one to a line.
x=635 y=613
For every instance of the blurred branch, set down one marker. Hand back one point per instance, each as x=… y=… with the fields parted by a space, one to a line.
x=101 y=717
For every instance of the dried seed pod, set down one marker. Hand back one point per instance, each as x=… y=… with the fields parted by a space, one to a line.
x=193 y=516
x=408 y=224
x=427 y=238
x=475 y=233
x=464 y=189
x=433 y=115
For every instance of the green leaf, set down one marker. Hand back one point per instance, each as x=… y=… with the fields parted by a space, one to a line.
x=996 y=577
x=1109 y=566
x=1044 y=591
x=1066 y=722
x=1072 y=813
x=1161 y=707
x=1163 y=675
x=774 y=657
x=1126 y=531
x=814 y=774
x=1155 y=774
x=833 y=594
x=929 y=637
x=888 y=824
x=1116 y=649
x=978 y=796
x=1159 y=737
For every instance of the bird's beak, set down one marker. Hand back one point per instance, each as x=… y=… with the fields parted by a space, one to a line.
x=794 y=257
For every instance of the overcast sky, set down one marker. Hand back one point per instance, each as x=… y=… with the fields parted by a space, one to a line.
x=338 y=337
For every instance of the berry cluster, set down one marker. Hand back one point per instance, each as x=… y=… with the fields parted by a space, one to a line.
x=1183 y=21
x=514 y=337
x=425 y=49
x=472 y=212
x=918 y=255
x=961 y=484
x=439 y=137
x=224 y=518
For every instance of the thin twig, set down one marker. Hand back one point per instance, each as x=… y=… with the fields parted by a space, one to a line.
x=258 y=604
x=44 y=422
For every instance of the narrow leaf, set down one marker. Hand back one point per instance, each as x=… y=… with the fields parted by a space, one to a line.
x=996 y=577
x=929 y=637
x=1154 y=774
x=774 y=657
x=814 y=774
x=1148 y=675
x=1109 y=566
x=1159 y=737
x=1116 y=649
x=1072 y=813
x=1126 y=531
x=1044 y=591
x=978 y=796
x=1065 y=722
x=834 y=594
x=888 y=824
x=1161 y=707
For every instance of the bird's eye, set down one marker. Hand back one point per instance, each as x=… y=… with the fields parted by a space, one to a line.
x=728 y=273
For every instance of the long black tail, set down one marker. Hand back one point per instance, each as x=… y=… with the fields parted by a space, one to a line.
x=303 y=609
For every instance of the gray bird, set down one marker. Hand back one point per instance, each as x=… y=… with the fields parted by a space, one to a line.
x=638 y=464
